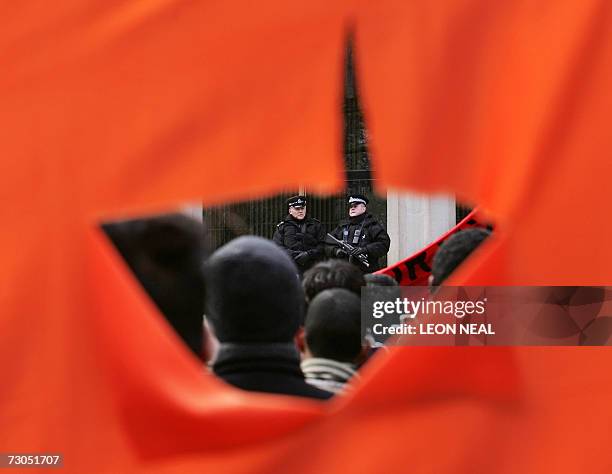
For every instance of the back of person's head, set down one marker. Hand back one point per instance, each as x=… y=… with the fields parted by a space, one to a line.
x=253 y=292
x=379 y=279
x=333 y=325
x=166 y=253
x=454 y=251
x=332 y=274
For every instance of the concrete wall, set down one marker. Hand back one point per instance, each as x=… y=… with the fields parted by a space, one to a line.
x=415 y=220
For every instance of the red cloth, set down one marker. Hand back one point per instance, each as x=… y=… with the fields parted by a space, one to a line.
x=415 y=270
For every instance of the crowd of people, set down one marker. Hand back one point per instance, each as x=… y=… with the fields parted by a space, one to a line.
x=247 y=311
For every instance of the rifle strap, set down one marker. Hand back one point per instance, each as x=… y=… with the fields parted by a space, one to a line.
x=356 y=235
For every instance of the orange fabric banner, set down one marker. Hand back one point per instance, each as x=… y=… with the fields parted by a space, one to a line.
x=114 y=108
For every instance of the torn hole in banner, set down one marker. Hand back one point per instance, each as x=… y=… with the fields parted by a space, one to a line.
x=164 y=251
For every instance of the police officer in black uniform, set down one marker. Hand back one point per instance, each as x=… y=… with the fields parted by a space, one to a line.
x=302 y=237
x=362 y=231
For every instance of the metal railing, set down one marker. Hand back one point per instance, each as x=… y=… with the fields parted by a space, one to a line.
x=260 y=216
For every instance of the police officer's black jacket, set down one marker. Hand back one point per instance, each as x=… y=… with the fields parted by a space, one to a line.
x=371 y=235
x=297 y=236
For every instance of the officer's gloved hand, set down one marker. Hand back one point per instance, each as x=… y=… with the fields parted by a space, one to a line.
x=302 y=258
x=340 y=253
x=358 y=251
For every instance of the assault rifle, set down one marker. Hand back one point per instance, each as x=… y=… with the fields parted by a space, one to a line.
x=348 y=248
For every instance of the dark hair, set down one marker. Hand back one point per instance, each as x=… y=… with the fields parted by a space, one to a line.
x=379 y=279
x=253 y=292
x=166 y=254
x=455 y=250
x=332 y=274
x=333 y=325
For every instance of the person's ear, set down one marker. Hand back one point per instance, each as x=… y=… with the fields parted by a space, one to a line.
x=210 y=344
x=300 y=340
x=363 y=354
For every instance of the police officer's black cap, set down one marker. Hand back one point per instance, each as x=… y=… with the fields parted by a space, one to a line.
x=296 y=201
x=357 y=199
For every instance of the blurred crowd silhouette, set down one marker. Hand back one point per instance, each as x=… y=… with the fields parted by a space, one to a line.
x=249 y=315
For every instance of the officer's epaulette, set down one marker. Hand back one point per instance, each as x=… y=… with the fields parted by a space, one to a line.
x=280 y=223
x=316 y=220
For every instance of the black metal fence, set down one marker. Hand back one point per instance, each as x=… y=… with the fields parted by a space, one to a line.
x=260 y=216
x=461 y=211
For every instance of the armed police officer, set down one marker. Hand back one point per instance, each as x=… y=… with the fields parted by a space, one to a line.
x=361 y=231
x=302 y=237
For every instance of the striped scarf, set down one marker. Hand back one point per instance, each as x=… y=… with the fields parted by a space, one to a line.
x=328 y=374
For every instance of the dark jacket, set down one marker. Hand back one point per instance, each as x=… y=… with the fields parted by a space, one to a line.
x=373 y=237
x=297 y=236
x=271 y=368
